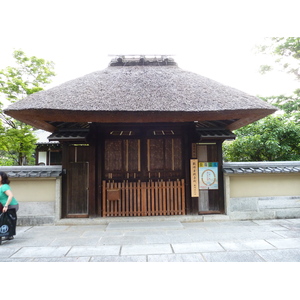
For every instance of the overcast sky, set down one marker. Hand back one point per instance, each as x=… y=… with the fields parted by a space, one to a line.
x=213 y=38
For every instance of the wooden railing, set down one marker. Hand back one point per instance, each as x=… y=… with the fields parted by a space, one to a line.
x=152 y=198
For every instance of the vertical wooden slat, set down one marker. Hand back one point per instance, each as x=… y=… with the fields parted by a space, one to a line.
x=143 y=198
x=171 y=210
x=122 y=201
x=178 y=195
x=111 y=203
x=164 y=198
x=169 y=199
x=173 y=204
x=160 y=199
x=126 y=198
x=115 y=203
x=139 y=197
x=176 y=206
x=183 y=196
x=156 y=197
x=152 y=186
x=134 y=197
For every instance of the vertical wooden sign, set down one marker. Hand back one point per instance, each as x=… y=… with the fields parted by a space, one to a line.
x=194 y=178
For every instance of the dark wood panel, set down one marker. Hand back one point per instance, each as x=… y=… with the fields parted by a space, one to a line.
x=165 y=158
x=78 y=176
x=113 y=155
x=133 y=155
x=177 y=152
x=77 y=198
x=156 y=154
x=212 y=200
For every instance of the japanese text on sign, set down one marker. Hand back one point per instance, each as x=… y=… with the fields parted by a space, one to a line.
x=194 y=178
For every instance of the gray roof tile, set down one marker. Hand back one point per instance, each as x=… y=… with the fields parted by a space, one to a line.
x=261 y=167
x=32 y=171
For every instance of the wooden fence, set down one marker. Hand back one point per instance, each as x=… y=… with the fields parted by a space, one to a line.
x=152 y=198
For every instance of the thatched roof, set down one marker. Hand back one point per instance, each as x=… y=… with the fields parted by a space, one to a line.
x=139 y=90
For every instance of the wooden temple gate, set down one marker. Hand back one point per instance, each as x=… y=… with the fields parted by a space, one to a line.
x=142 y=171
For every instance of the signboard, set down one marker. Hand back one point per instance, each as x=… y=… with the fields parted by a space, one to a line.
x=208 y=175
x=194 y=178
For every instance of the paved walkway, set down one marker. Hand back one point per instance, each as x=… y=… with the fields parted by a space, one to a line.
x=157 y=241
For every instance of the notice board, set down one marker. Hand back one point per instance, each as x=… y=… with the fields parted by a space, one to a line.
x=208 y=176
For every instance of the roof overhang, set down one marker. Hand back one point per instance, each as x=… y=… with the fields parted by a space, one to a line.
x=42 y=118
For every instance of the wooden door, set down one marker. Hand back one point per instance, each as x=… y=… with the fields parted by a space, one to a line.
x=78 y=189
x=76 y=180
x=211 y=197
x=143 y=177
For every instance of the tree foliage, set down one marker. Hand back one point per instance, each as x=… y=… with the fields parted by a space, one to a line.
x=286 y=53
x=30 y=75
x=274 y=137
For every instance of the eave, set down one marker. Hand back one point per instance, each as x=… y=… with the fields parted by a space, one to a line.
x=40 y=118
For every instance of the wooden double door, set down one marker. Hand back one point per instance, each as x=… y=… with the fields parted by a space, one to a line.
x=143 y=176
x=143 y=159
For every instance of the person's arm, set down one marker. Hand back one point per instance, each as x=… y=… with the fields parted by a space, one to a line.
x=9 y=199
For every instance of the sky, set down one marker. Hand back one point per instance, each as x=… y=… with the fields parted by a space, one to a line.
x=215 y=39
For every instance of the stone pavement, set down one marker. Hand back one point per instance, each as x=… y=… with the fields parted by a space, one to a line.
x=157 y=241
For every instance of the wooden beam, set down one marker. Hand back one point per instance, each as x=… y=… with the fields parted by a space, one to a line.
x=40 y=118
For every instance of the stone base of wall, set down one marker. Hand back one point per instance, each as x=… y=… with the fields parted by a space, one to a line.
x=36 y=213
x=251 y=208
x=263 y=208
x=35 y=221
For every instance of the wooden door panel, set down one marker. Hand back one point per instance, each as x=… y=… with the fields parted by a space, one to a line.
x=156 y=157
x=122 y=159
x=210 y=201
x=113 y=155
x=164 y=158
x=77 y=193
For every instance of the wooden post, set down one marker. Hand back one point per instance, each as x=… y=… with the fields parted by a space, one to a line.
x=104 y=198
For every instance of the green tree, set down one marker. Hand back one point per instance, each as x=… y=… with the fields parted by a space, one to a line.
x=274 y=138
x=30 y=75
x=286 y=54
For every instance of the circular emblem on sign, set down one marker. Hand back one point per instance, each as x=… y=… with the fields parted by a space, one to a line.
x=208 y=177
x=4 y=229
